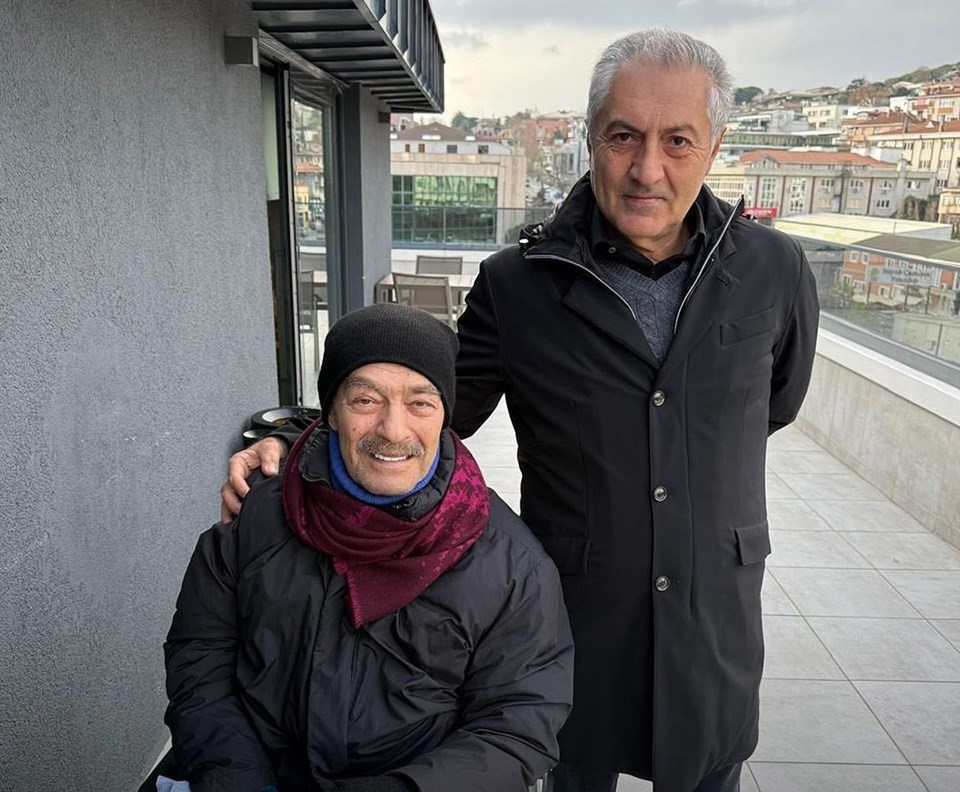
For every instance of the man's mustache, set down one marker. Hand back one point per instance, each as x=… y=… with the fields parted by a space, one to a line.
x=377 y=445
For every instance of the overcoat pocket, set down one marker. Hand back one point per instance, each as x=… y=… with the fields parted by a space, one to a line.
x=753 y=543
x=747 y=326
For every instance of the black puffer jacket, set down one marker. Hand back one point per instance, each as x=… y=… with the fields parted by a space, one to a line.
x=465 y=688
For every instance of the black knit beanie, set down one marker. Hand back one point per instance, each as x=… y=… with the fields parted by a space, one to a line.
x=389 y=333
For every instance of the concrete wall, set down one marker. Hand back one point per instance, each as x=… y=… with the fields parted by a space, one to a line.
x=132 y=241
x=897 y=428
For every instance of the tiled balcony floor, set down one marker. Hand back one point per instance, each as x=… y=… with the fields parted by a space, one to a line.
x=861 y=689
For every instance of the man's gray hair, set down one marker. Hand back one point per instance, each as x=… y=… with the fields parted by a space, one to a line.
x=671 y=49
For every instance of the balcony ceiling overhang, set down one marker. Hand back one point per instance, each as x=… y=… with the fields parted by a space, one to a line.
x=390 y=47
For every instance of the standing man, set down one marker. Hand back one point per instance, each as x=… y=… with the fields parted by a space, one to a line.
x=647 y=338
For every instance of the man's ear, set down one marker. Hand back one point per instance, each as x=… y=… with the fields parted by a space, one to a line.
x=332 y=419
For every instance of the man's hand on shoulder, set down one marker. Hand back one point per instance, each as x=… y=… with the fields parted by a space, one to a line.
x=266 y=455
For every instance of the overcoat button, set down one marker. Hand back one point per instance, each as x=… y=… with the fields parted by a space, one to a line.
x=658 y=398
x=662 y=583
x=660 y=494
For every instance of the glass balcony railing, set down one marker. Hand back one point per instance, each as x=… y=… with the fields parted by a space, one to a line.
x=903 y=306
x=464 y=227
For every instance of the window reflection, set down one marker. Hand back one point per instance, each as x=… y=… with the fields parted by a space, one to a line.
x=309 y=185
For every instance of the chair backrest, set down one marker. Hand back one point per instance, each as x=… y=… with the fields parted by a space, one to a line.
x=440 y=265
x=430 y=293
x=313 y=261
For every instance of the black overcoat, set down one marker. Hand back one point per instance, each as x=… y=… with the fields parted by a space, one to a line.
x=645 y=481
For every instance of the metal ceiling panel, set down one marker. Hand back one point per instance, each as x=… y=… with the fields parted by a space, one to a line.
x=377 y=43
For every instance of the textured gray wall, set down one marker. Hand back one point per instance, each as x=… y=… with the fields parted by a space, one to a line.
x=136 y=335
x=367 y=194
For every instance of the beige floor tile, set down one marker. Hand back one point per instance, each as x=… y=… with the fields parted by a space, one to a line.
x=826 y=486
x=793 y=514
x=821 y=722
x=774 y=599
x=805 y=777
x=921 y=717
x=793 y=651
x=843 y=592
x=935 y=594
x=845 y=515
x=904 y=550
x=894 y=649
x=940 y=779
x=824 y=549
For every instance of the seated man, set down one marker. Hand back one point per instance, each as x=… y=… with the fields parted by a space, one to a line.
x=375 y=619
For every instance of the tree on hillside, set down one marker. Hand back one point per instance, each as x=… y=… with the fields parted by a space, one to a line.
x=746 y=94
x=467 y=123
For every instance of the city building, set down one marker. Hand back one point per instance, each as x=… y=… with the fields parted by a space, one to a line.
x=446 y=182
x=939 y=101
x=158 y=291
x=858 y=131
x=781 y=183
x=830 y=115
x=930 y=147
x=948 y=209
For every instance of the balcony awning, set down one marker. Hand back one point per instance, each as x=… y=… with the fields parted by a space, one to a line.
x=389 y=46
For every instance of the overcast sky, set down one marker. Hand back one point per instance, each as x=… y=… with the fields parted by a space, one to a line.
x=508 y=55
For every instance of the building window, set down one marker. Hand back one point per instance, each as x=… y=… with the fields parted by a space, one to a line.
x=854 y=256
x=768 y=191
x=406 y=148
x=483 y=149
x=421 y=148
x=885 y=186
x=913 y=184
x=438 y=209
x=941 y=184
x=883 y=203
x=451 y=148
x=826 y=185
x=798 y=195
x=856 y=185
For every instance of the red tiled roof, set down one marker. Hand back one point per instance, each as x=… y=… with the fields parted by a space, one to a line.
x=926 y=127
x=881 y=120
x=814 y=158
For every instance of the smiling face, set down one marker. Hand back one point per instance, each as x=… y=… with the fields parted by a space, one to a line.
x=389 y=419
x=650 y=152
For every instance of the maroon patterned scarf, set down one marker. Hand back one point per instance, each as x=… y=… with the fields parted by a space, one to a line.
x=387 y=562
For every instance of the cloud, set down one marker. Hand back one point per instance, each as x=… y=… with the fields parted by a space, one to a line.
x=470 y=40
x=502 y=55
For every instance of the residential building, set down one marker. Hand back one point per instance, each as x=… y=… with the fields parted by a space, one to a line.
x=444 y=178
x=156 y=293
x=830 y=115
x=935 y=102
x=804 y=182
x=929 y=147
x=948 y=209
x=858 y=131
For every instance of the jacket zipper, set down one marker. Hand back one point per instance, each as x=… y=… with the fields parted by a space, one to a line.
x=589 y=271
x=707 y=260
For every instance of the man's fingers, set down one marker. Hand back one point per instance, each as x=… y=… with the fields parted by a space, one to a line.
x=229 y=503
x=272 y=451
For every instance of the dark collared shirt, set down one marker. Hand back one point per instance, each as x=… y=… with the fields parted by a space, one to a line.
x=608 y=243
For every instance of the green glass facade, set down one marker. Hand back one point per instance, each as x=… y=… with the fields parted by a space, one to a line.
x=444 y=209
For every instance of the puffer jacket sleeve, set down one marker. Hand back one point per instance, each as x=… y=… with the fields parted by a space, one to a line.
x=795 y=350
x=516 y=696
x=216 y=747
x=480 y=382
